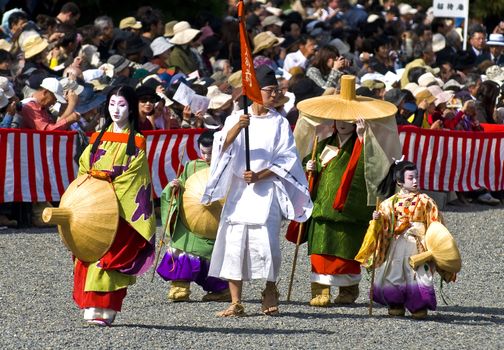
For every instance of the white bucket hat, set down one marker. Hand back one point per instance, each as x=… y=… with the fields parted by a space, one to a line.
x=160 y=45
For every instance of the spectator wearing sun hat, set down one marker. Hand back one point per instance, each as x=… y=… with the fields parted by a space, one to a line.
x=35 y=112
x=495 y=44
x=181 y=56
x=130 y=24
x=169 y=29
x=265 y=44
x=161 y=49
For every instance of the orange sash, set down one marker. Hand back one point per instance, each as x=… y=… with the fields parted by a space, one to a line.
x=346 y=180
x=117 y=137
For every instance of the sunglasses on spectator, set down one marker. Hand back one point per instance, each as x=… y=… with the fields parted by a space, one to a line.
x=146 y=99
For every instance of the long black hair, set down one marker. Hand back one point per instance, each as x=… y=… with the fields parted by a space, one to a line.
x=394 y=176
x=129 y=94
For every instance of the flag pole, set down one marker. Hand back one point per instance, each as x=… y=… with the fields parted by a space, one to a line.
x=247 y=145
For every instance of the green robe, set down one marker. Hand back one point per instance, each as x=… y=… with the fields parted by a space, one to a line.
x=133 y=189
x=331 y=232
x=182 y=238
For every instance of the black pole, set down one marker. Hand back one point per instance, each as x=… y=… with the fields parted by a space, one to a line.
x=247 y=145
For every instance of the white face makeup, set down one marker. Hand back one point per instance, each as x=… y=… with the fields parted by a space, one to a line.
x=344 y=128
x=119 y=110
x=206 y=153
x=410 y=181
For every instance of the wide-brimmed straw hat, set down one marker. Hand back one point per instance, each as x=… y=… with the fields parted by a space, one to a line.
x=347 y=106
x=441 y=247
x=266 y=40
x=201 y=219
x=34 y=45
x=87 y=217
x=183 y=33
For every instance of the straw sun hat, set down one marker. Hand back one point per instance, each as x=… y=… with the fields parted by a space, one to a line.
x=201 y=219
x=34 y=45
x=183 y=33
x=441 y=247
x=346 y=106
x=266 y=40
x=87 y=217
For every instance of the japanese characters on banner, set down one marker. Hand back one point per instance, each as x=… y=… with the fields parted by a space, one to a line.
x=453 y=9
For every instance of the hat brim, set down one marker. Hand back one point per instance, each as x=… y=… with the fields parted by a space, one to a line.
x=495 y=43
x=35 y=50
x=4 y=101
x=184 y=37
x=335 y=107
x=97 y=100
x=59 y=98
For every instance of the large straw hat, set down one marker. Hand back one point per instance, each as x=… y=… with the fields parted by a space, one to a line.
x=183 y=33
x=266 y=40
x=346 y=106
x=87 y=217
x=34 y=45
x=202 y=220
x=441 y=247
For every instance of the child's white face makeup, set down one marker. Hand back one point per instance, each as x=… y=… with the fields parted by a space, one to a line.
x=206 y=153
x=344 y=128
x=410 y=181
x=119 y=110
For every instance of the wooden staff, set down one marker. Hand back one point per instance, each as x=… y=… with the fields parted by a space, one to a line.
x=172 y=197
x=371 y=290
x=301 y=225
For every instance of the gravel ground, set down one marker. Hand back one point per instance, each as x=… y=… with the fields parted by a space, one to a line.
x=37 y=311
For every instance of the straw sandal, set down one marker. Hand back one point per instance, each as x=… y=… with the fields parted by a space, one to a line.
x=270 y=309
x=396 y=311
x=420 y=314
x=234 y=310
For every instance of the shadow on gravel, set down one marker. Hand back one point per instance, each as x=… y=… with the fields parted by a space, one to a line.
x=227 y=330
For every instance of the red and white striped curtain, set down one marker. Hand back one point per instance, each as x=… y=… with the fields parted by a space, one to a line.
x=38 y=166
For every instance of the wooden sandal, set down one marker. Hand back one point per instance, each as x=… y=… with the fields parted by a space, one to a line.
x=234 y=310
x=270 y=310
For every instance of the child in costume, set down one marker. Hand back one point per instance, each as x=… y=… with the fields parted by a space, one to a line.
x=188 y=257
x=119 y=151
x=401 y=223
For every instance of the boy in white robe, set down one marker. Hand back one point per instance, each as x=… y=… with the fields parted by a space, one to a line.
x=247 y=244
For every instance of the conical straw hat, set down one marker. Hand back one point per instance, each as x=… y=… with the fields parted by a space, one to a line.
x=346 y=106
x=87 y=217
x=441 y=247
x=202 y=220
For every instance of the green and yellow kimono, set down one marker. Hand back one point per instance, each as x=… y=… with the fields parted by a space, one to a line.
x=103 y=283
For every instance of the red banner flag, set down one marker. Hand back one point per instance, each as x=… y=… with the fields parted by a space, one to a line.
x=251 y=88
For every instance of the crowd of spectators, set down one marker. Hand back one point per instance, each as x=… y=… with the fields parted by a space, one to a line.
x=55 y=72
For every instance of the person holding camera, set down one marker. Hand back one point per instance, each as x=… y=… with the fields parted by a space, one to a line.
x=327 y=67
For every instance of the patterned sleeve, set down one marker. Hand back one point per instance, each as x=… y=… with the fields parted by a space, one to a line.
x=332 y=80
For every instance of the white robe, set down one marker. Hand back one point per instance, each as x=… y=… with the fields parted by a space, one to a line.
x=247 y=244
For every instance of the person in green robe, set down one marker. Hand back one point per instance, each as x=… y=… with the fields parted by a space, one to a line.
x=187 y=258
x=340 y=214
